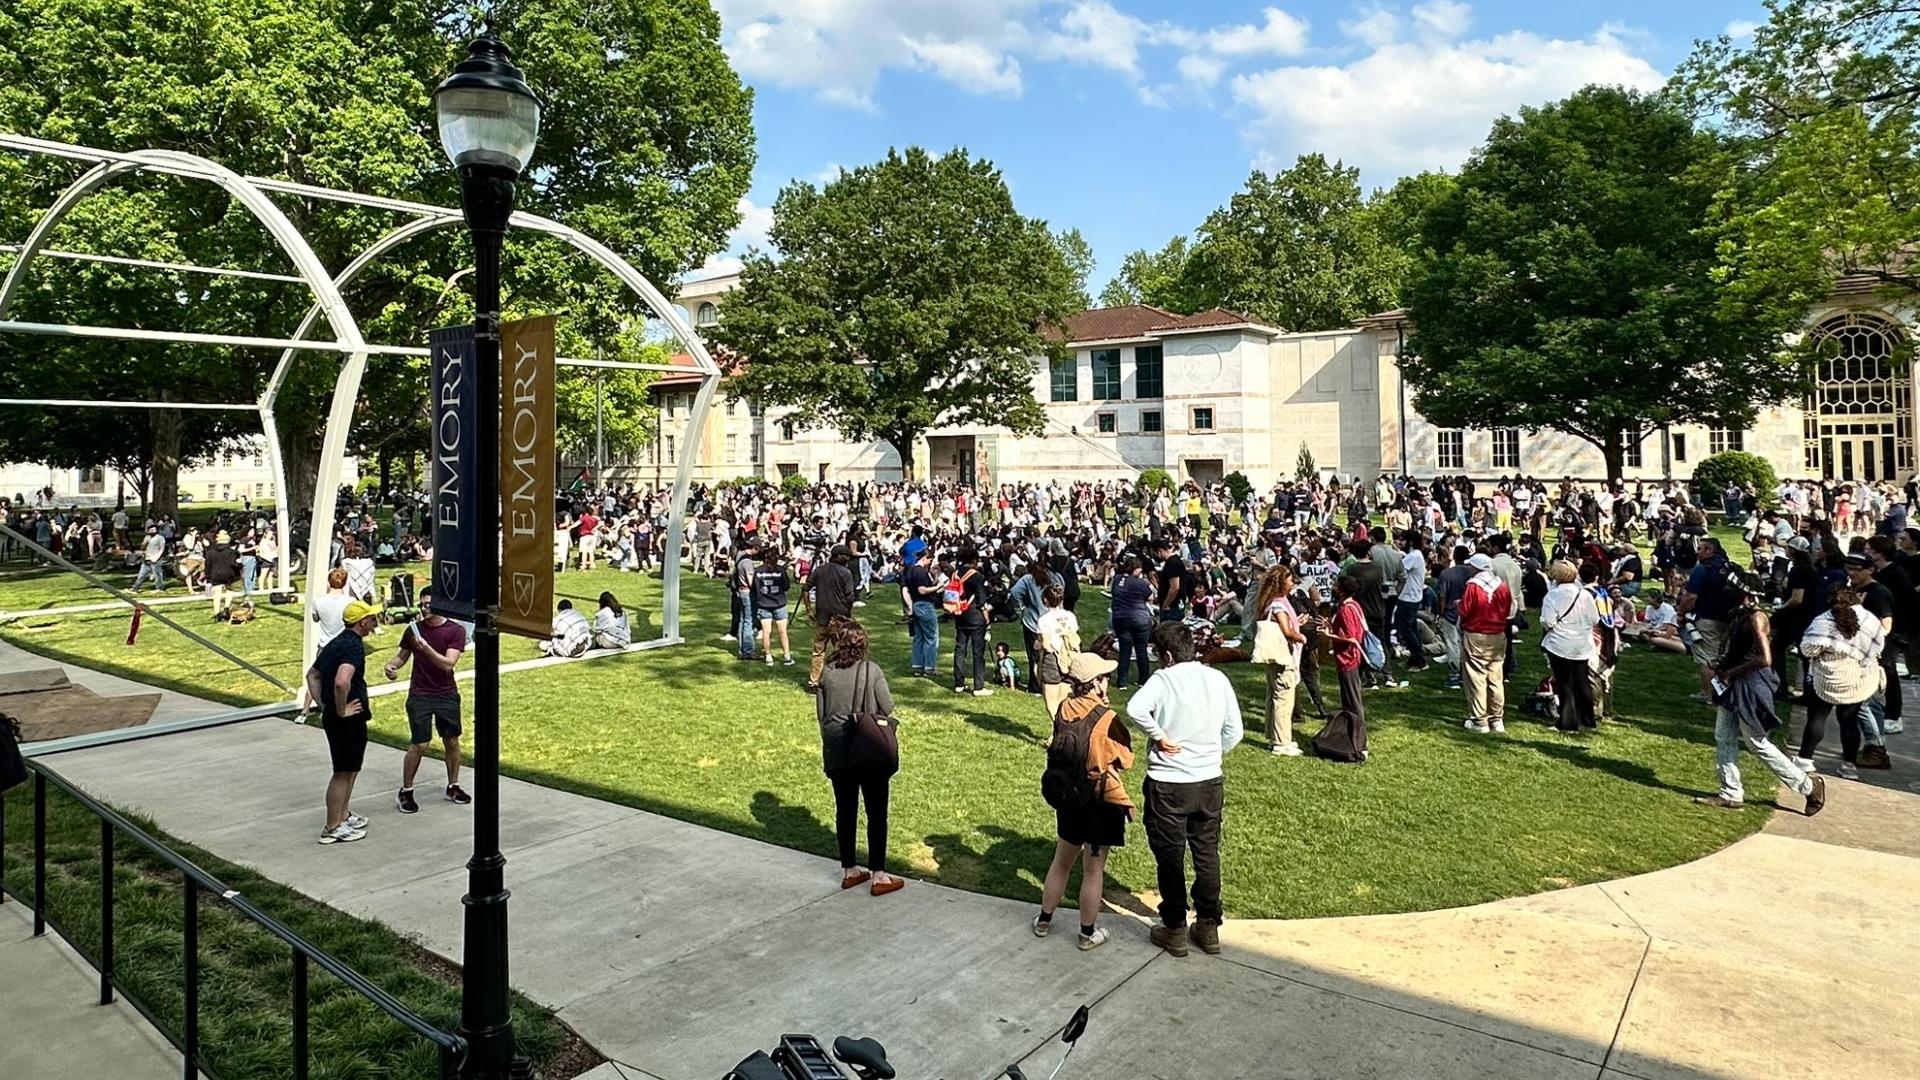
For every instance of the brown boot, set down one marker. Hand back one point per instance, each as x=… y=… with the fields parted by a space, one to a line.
x=1206 y=935
x=1171 y=938
x=1875 y=757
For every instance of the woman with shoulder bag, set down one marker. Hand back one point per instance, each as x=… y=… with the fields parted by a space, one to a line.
x=1569 y=616
x=1277 y=643
x=860 y=756
x=1841 y=649
x=1088 y=751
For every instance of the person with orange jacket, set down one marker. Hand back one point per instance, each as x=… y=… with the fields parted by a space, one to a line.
x=1484 y=609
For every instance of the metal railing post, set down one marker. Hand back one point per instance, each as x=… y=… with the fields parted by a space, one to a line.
x=299 y=1014
x=3 y=848
x=190 y=1050
x=106 y=912
x=39 y=853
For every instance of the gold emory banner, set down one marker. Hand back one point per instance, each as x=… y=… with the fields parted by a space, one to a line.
x=526 y=477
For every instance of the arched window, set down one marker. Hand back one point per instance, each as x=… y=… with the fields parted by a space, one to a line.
x=1859 y=414
x=709 y=315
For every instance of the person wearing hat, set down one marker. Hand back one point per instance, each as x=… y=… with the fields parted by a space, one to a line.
x=1628 y=571
x=223 y=571
x=1743 y=684
x=829 y=595
x=338 y=681
x=153 y=561
x=1485 y=608
x=433 y=700
x=1089 y=750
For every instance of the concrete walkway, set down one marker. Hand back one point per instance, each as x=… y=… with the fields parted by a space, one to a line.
x=173 y=704
x=676 y=950
x=54 y=1025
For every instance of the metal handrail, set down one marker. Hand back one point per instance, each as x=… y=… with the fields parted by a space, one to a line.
x=193 y=879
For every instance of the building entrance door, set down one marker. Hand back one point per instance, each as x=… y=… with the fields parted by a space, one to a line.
x=1859 y=416
x=966 y=466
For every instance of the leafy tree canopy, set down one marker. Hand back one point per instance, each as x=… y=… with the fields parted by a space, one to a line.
x=1158 y=278
x=909 y=294
x=1575 y=283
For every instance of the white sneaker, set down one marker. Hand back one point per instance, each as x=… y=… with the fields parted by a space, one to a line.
x=789 y=659
x=1499 y=727
x=342 y=834
x=1475 y=726
x=1805 y=765
x=1892 y=727
x=1090 y=942
x=355 y=821
x=985 y=691
x=769 y=659
x=728 y=637
x=1848 y=771
x=1041 y=929
x=1291 y=749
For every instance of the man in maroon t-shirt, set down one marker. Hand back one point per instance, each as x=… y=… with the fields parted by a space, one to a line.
x=432 y=701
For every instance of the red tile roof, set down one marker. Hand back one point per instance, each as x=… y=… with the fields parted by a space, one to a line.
x=1211 y=319
x=1116 y=323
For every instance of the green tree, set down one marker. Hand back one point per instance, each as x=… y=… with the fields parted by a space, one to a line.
x=1296 y=248
x=1303 y=466
x=1078 y=255
x=1823 y=104
x=646 y=144
x=1575 y=285
x=1395 y=215
x=909 y=294
x=1158 y=278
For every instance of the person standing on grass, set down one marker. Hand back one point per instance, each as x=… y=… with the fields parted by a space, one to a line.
x=153 y=561
x=1411 y=597
x=1028 y=597
x=1191 y=718
x=919 y=592
x=1132 y=618
x=829 y=596
x=1086 y=755
x=1370 y=593
x=222 y=571
x=433 y=702
x=770 y=585
x=851 y=684
x=966 y=600
x=740 y=584
x=1059 y=637
x=1569 y=616
x=1484 y=612
x=1274 y=604
x=1743 y=682
x=338 y=681
x=1710 y=599
x=329 y=611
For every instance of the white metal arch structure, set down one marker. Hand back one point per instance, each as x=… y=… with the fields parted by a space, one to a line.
x=328 y=303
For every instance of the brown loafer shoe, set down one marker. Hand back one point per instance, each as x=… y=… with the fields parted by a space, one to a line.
x=1171 y=938
x=1206 y=935
x=891 y=885
x=1874 y=757
x=1816 y=798
x=854 y=878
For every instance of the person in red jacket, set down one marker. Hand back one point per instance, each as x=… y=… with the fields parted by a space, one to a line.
x=1484 y=609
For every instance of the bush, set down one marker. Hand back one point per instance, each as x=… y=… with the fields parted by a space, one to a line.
x=1156 y=479
x=1238 y=486
x=1751 y=471
x=794 y=485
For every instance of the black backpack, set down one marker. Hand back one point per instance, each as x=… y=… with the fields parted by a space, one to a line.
x=1065 y=785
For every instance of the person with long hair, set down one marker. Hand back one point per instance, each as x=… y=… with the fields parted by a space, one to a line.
x=1345 y=629
x=1841 y=650
x=610 y=627
x=1743 y=683
x=851 y=683
x=1059 y=639
x=1274 y=604
x=1028 y=597
x=1087 y=737
x=1569 y=616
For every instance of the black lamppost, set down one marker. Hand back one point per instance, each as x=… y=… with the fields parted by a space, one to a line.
x=489 y=121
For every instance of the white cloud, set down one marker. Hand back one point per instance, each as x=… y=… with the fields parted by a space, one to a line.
x=1443 y=18
x=1376 y=27
x=1095 y=32
x=1203 y=70
x=1281 y=35
x=1741 y=29
x=1408 y=106
x=969 y=65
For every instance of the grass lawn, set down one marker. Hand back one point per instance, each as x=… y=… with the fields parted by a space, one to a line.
x=246 y=974
x=1437 y=818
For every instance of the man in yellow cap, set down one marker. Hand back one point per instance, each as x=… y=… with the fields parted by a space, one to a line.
x=338 y=681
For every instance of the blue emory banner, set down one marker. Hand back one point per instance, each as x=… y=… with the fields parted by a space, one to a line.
x=455 y=517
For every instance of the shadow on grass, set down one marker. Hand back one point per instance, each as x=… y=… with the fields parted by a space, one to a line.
x=1000 y=867
x=1000 y=725
x=792 y=826
x=1630 y=771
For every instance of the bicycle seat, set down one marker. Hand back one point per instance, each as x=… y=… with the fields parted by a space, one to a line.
x=867 y=1057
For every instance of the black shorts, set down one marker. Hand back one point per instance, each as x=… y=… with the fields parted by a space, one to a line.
x=1102 y=825
x=428 y=713
x=347 y=743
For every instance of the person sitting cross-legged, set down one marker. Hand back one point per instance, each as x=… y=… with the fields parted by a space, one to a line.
x=571 y=633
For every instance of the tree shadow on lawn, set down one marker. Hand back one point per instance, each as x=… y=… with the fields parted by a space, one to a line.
x=1010 y=866
x=1000 y=725
x=1631 y=771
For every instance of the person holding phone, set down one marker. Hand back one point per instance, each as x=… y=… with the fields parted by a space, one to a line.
x=433 y=702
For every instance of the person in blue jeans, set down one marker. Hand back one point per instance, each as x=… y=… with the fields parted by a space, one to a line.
x=1133 y=619
x=918 y=593
x=742 y=583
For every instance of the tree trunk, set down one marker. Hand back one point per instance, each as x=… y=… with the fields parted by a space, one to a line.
x=301 y=457
x=903 y=445
x=1615 y=452
x=386 y=472
x=165 y=498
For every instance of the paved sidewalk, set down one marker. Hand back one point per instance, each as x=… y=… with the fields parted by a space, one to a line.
x=53 y=1024
x=173 y=704
x=676 y=950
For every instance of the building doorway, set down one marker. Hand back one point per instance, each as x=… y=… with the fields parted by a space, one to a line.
x=1859 y=415
x=1205 y=471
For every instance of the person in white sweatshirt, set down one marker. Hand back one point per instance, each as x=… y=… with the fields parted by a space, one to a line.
x=1191 y=718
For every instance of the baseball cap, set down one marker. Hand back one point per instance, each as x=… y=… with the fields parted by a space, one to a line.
x=1480 y=562
x=357 y=610
x=1800 y=543
x=1858 y=562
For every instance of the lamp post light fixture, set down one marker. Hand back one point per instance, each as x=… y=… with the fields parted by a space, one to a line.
x=489 y=120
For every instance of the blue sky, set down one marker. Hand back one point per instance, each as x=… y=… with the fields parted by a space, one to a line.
x=1132 y=119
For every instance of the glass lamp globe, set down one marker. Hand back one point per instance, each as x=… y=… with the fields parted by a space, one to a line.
x=488 y=115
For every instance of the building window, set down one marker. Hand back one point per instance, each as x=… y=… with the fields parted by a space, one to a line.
x=1679 y=448
x=1150 y=422
x=733 y=448
x=1146 y=372
x=753 y=407
x=730 y=404
x=1066 y=380
x=1631 y=456
x=1106 y=374
x=210 y=490
x=1203 y=418
x=1722 y=440
x=753 y=447
x=257 y=488
x=669 y=449
x=1108 y=423
x=709 y=315
x=786 y=431
x=259 y=461
x=1450 y=449
x=226 y=459
x=1506 y=448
